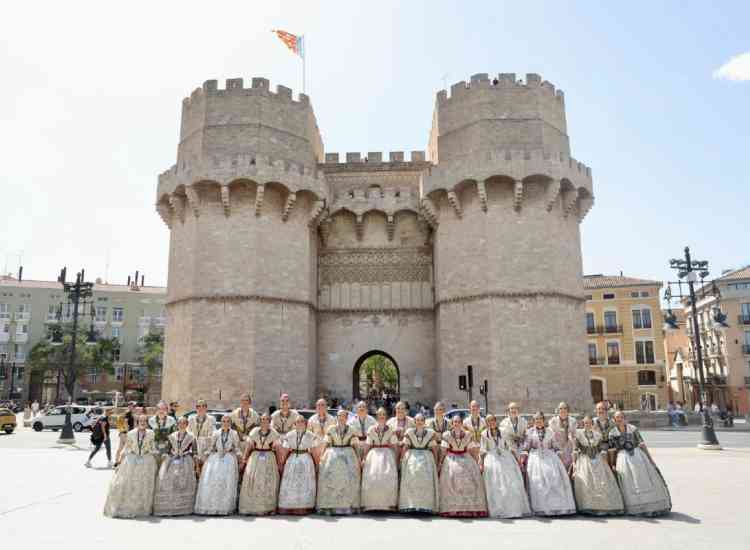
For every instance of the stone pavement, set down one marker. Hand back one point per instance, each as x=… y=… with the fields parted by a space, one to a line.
x=49 y=500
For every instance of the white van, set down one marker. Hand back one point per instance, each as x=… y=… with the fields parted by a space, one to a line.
x=55 y=419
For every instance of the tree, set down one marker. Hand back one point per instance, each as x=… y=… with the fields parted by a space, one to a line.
x=379 y=373
x=151 y=352
x=48 y=358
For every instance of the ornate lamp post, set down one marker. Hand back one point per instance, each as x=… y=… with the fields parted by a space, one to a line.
x=690 y=270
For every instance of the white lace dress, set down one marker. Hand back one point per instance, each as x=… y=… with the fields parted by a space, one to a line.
x=380 y=472
x=176 y=483
x=550 y=491
x=339 y=475
x=595 y=485
x=260 y=482
x=503 y=481
x=217 y=489
x=461 y=484
x=564 y=432
x=298 y=486
x=419 y=480
x=131 y=491
x=360 y=427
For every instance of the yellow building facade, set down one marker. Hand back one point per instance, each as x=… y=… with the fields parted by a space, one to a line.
x=625 y=341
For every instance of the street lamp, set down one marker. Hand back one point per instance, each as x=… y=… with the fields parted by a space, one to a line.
x=689 y=269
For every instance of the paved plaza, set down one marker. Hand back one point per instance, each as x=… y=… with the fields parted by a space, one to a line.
x=49 y=500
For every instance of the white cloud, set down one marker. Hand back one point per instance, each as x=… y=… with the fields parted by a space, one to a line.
x=737 y=68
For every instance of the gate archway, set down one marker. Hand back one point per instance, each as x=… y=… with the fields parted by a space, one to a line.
x=374 y=374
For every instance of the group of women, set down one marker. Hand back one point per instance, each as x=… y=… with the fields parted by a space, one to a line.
x=478 y=467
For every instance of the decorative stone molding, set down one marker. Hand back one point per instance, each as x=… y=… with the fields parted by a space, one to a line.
x=455 y=203
x=193 y=200
x=430 y=212
x=243 y=298
x=317 y=213
x=510 y=294
x=325 y=231
x=570 y=198
x=177 y=202
x=259 y=192
x=225 y=199
x=374 y=265
x=552 y=193
x=482 y=191
x=288 y=206
x=165 y=213
x=517 y=195
x=359 y=226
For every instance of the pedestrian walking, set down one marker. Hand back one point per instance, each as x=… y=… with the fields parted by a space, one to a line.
x=99 y=437
x=35 y=408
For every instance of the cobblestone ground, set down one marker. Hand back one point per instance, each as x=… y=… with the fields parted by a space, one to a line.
x=49 y=500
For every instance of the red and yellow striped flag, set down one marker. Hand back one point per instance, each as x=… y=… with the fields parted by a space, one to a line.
x=292 y=41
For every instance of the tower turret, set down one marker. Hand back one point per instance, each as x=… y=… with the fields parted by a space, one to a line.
x=505 y=200
x=242 y=203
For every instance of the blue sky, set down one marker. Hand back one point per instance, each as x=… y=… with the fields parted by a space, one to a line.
x=91 y=101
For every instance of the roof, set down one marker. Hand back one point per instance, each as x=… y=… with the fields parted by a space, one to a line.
x=742 y=273
x=10 y=282
x=611 y=281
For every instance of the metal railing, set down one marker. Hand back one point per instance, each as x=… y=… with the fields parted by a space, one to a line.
x=596 y=360
x=604 y=329
x=743 y=319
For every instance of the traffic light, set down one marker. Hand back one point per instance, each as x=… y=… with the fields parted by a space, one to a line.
x=470 y=372
x=462 y=382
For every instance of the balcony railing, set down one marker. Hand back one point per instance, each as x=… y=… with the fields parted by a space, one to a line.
x=22 y=315
x=604 y=329
x=743 y=319
x=613 y=360
x=596 y=360
x=746 y=349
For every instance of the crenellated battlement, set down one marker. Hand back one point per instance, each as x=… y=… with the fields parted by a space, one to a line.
x=236 y=86
x=375 y=157
x=502 y=82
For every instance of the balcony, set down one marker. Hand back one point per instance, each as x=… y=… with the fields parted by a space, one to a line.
x=743 y=319
x=596 y=360
x=604 y=329
x=745 y=348
x=613 y=360
x=22 y=315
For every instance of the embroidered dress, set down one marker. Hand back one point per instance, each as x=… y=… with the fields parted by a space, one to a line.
x=399 y=427
x=513 y=431
x=297 y=493
x=419 y=480
x=596 y=489
x=475 y=427
x=339 y=476
x=503 y=482
x=319 y=426
x=162 y=428
x=283 y=423
x=461 y=484
x=131 y=491
x=550 y=492
x=603 y=426
x=243 y=423
x=564 y=432
x=176 y=484
x=260 y=483
x=202 y=429
x=217 y=488
x=360 y=427
x=644 y=490
x=380 y=472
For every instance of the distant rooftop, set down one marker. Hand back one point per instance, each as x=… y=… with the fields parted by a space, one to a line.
x=11 y=282
x=591 y=282
x=741 y=273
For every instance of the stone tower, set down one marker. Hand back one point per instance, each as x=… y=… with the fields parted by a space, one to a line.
x=505 y=199
x=241 y=203
x=289 y=268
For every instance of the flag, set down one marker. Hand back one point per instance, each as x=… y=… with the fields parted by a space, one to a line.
x=292 y=41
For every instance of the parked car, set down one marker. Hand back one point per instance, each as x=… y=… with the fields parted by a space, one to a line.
x=54 y=419
x=93 y=414
x=7 y=420
x=216 y=413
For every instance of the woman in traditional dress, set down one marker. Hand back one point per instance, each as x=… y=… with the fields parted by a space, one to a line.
x=563 y=428
x=439 y=424
x=644 y=490
x=297 y=493
x=503 y=482
x=260 y=482
x=283 y=419
x=419 y=479
x=461 y=485
x=217 y=489
x=513 y=428
x=175 y=485
x=131 y=491
x=603 y=424
x=401 y=422
x=379 y=467
x=596 y=489
x=163 y=425
x=474 y=423
x=201 y=426
x=318 y=425
x=361 y=423
x=339 y=473
x=550 y=491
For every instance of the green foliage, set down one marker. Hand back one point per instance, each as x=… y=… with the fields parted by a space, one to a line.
x=378 y=373
x=151 y=350
x=47 y=358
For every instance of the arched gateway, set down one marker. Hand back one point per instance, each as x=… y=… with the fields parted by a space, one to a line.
x=374 y=374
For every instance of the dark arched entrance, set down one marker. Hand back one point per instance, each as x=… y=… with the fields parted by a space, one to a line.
x=375 y=373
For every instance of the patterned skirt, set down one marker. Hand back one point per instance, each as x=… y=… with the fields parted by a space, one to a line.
x=297 y=493
x=461 y=487
x=643 y=488
x=338 y=482
x=503 y=481
x=217 y=489
x=260 y=484
x=380 y=480
x=175 y=487
x=550 y=491
x=596 y=489
x=131 y=491
x=419 y=483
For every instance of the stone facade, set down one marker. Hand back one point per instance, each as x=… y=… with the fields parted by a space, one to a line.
x=287 y=265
